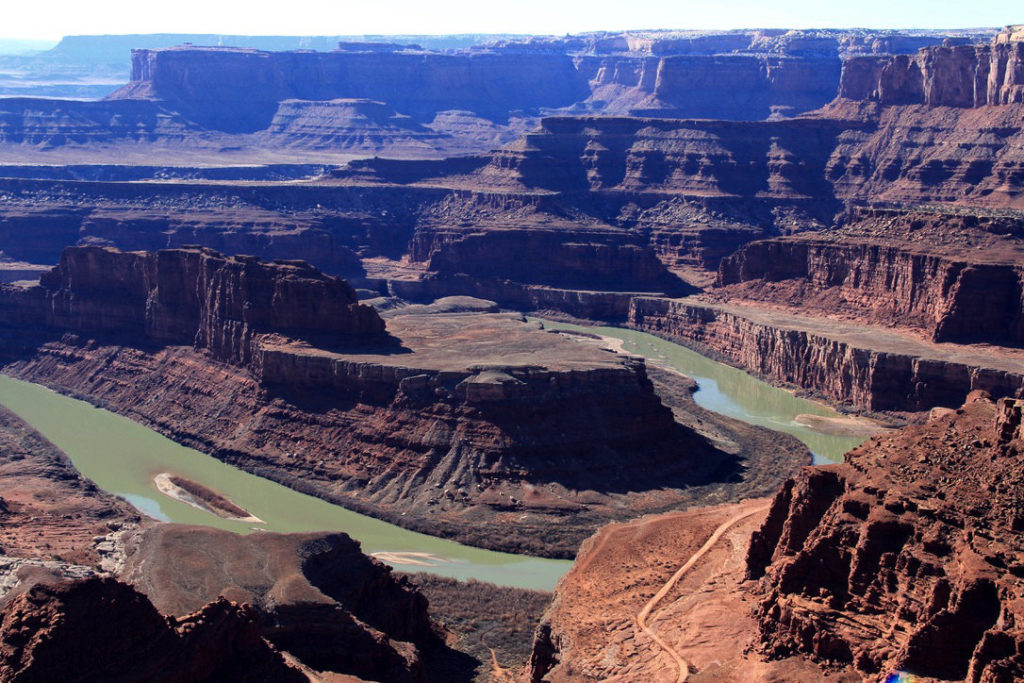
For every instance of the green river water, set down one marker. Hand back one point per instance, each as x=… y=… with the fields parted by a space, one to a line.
x=122 y=457
x=729 y=391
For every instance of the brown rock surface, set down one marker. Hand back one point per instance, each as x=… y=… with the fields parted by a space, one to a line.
x=950 y=75
x=315 y=596
x=199 y=297
x=48 y=511
x=953 y=277
x=105 y=630
x=907 y=557
x=590 y=631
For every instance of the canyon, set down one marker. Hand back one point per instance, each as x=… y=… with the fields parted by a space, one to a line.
x=447 y=420
x=313 y=265
x=416 y=96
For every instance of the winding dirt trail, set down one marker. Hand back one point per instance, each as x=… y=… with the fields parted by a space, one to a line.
x=643 y=614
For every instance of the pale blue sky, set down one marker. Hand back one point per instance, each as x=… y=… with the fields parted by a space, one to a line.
x=55 y=18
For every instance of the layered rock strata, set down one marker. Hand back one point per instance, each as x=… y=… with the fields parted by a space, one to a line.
x=866 y=367
x=456 y=424
x=951 y=75
x=197 y=297
x=954 y=278
x=907 y=557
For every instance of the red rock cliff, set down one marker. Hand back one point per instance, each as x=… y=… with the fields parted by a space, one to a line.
x=865 y=367
x=101 y=629
x=950 y=75
x=907 y=557
x=199 y=297
x=951 y=297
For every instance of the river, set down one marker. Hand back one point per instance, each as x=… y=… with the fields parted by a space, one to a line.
x=730 y=391
x=123 y=457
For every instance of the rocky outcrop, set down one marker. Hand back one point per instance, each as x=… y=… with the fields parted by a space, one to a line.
x=314 y=596
x=903 y=561
x=194 y=297
x=907 y=557
x=950 y=297
x=103 y=629
x=866 y=367
x=951 y=75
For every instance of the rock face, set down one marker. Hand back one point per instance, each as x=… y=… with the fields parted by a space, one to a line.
x=103 y=629
x=196 y=297
x=907 y=557
x=238 y=90
x=743 y=75
x=784 y=159
x=950 y=75
x=896 y=277
x=431 y=102
x=867 y=367
x=314 y=596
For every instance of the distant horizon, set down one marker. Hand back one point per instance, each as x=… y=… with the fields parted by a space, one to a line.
x=52 y=42
x=63 y=18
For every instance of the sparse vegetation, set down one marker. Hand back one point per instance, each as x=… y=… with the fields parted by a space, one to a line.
x=483 y=619
x=221 y=505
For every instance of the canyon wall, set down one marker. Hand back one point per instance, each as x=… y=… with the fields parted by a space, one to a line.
x=906 y=558
x=950 y=298
x=103 y=629
x=951 y=75
x=315 y=596
x=195 y=297
x=863 y=368
x=406 y=100
x=744 y=76
x=238 y=90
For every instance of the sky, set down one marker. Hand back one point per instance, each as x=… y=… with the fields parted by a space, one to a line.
x=53 y=19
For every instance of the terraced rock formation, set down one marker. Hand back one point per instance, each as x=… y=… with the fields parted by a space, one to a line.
x=456 y=423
